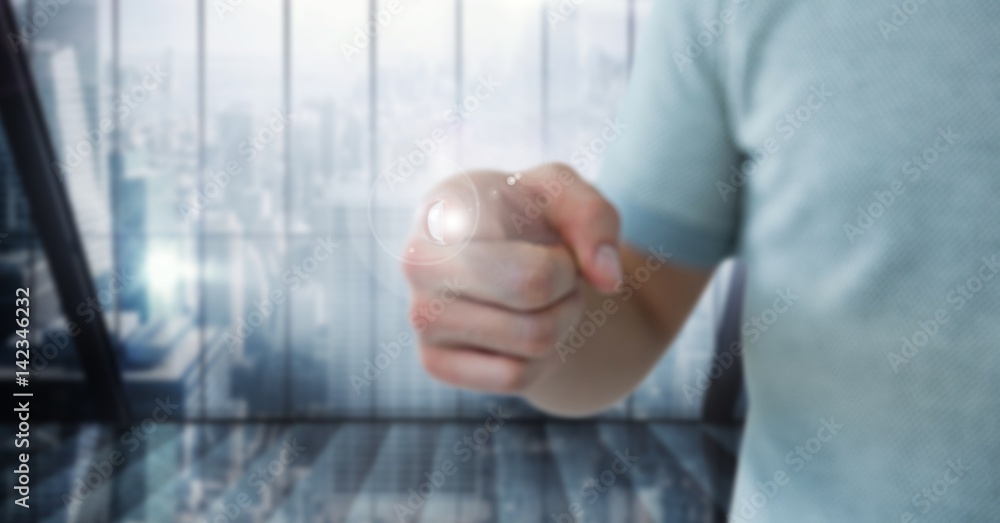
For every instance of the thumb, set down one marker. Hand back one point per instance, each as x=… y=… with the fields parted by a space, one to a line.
x=585 y=220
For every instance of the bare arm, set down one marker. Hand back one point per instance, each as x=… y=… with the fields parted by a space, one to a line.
x=618 y=355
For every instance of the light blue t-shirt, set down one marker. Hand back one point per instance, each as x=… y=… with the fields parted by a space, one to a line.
x=849 y=152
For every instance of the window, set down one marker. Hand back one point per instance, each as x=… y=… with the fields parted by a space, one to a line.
x=225 y=161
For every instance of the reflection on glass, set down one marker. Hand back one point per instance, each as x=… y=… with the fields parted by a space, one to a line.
x=415 y=148
x=158 y=328
x=246 y=283
x=155 y=168
x=331 y=332
x=588 y=73
x=500 y=110
x=246 y=119
x=330 y=93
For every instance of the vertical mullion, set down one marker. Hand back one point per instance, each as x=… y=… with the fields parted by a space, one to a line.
x=545 y=78
x=200 y=229
x=373 y=178
x=629 y=56
x=287 y=88
x=115 y=165
x=459 y=91
x=459 y=62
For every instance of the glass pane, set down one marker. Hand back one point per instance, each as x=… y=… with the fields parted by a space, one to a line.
x=157 y=322
x=416 y=145
x=416 y=86
x=156 y=166
x=331 y=332
x=69 y=62
x=244 y=184
x=69 y=58
x=588 y=61
x=502 y=45
x=405 y=388
x=330 y=96
x=246 y=312
x=416 y=148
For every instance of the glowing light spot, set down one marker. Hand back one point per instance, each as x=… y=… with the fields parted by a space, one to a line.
x=436 y=222
x=447 y=224
x=164 y=271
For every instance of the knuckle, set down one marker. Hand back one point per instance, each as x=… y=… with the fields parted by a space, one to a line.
x=434 y=363
x=415 y=315
x=535 y=282
x=431 y=320
x=511 y=377
x=613 y=216
x=594 y=207
x=554 y=169
x=538 y=335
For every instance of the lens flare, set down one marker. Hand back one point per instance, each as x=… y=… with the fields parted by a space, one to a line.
x=447 y=223
x=436 y=222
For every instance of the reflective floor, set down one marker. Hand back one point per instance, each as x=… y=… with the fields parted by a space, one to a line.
x=377 y=472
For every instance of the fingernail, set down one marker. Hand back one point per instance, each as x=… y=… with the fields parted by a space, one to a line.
x=607 y=262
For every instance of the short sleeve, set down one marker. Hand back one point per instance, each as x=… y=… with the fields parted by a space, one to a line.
x=663 y=173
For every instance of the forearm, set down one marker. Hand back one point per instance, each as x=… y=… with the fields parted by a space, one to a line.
x=599 y=365
x=606 y=366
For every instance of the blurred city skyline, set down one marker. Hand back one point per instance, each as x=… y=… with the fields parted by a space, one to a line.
x=194 y=192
